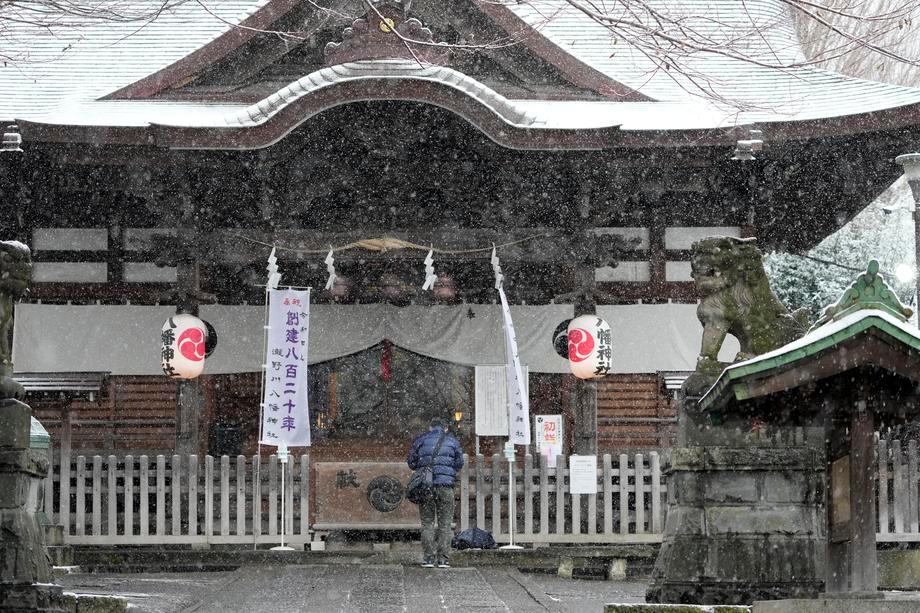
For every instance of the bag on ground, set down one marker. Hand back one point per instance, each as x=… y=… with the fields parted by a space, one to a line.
x=419 y=488
x=473 y=538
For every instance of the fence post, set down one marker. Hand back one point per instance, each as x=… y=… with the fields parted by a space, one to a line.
x=305 y=494
x=900 y=503
x=273 y=495
x=528 y=494
x=208 y=497
x=224 y=495
x=624 y=494
x=111 y=498
x=639 y=472
x=161 y=495
x=608 y=494
x=655 y=460
x=176 y=483
x=575 y=505
x=912 y=483
x=496 y=494
x=129 y=495
x=81 y=496
x=193 y=495
x=256 y=497
x=144 y=502
x=544 y=494
x=560 y=493
x=240 y=495
x=480 y=492
x=465 y=493
x=97 y=495
x=592 y=508
x=288 y=526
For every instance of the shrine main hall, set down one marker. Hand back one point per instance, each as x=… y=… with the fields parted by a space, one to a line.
x=161 y=162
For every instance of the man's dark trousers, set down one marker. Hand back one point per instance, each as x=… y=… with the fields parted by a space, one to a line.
x=441 y=507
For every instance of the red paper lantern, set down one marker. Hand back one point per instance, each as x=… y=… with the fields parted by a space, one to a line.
x=590 y=349
x=183 y=347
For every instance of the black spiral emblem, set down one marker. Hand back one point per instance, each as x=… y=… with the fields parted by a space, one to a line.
x=384 y=493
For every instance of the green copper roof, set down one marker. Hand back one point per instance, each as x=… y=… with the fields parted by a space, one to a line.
x=733 y=382
x=868 y=291
x=868 y=303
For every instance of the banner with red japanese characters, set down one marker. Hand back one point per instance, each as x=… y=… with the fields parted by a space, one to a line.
x=285 y=414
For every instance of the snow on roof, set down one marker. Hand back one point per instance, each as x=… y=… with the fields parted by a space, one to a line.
x=815 y=341
x=829 y=330
x=88 y=58
x=764 y=94
x=59 y=76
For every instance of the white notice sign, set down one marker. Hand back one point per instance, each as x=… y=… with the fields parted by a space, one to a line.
x=583 y=474
x=492 y=399
x=549 y=437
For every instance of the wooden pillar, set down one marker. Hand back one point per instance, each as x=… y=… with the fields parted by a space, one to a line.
x=863 y=562
x=188 y=392
x=585 y=390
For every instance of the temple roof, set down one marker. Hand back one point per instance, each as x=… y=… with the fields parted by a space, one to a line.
x=744 y=380
x=79 y=76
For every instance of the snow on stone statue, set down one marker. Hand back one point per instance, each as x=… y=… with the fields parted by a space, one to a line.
x=15 y=276
x=736 y=300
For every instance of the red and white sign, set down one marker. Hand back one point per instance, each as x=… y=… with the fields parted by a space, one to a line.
x=182 y=349
x=549 y=437
x=590 y=349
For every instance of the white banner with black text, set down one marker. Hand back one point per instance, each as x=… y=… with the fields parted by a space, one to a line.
x=285 y=414
x=518 y=402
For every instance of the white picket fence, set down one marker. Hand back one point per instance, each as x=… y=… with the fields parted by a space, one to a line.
x=171 y=500
x=897 y=484
x=136 y=501
x=628 y=508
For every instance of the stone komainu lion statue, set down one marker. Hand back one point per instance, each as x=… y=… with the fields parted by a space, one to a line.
x=737 y=300
x=15 y=276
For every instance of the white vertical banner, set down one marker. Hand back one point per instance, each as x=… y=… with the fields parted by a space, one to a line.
x=518 y=402
x=285 y=414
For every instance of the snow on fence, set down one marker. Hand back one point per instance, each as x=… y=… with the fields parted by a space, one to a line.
x=190 y=500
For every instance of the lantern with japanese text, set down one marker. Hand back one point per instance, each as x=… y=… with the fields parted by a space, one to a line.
x=590 y=350
x=184 y=345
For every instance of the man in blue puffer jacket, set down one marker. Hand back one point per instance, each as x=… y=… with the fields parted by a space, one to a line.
x=445 y=465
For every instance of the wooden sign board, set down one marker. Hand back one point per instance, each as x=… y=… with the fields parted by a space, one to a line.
x=368 y=495
x=492 y=399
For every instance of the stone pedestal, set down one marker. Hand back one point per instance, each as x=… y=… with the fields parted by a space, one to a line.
x=745 y=517
x=25 y=572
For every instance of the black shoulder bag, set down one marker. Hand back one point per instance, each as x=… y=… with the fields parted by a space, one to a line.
x=420 y=487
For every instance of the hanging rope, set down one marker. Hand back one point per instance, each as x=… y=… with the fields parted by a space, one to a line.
x=386 y=243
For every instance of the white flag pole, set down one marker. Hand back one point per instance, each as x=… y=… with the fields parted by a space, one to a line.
x=509 y=446
x=270 y=284
x=283 y=458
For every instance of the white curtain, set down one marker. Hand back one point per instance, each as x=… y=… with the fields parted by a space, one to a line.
x=124 y=340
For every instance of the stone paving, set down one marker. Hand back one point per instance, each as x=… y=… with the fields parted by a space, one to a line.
x=385 y=588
